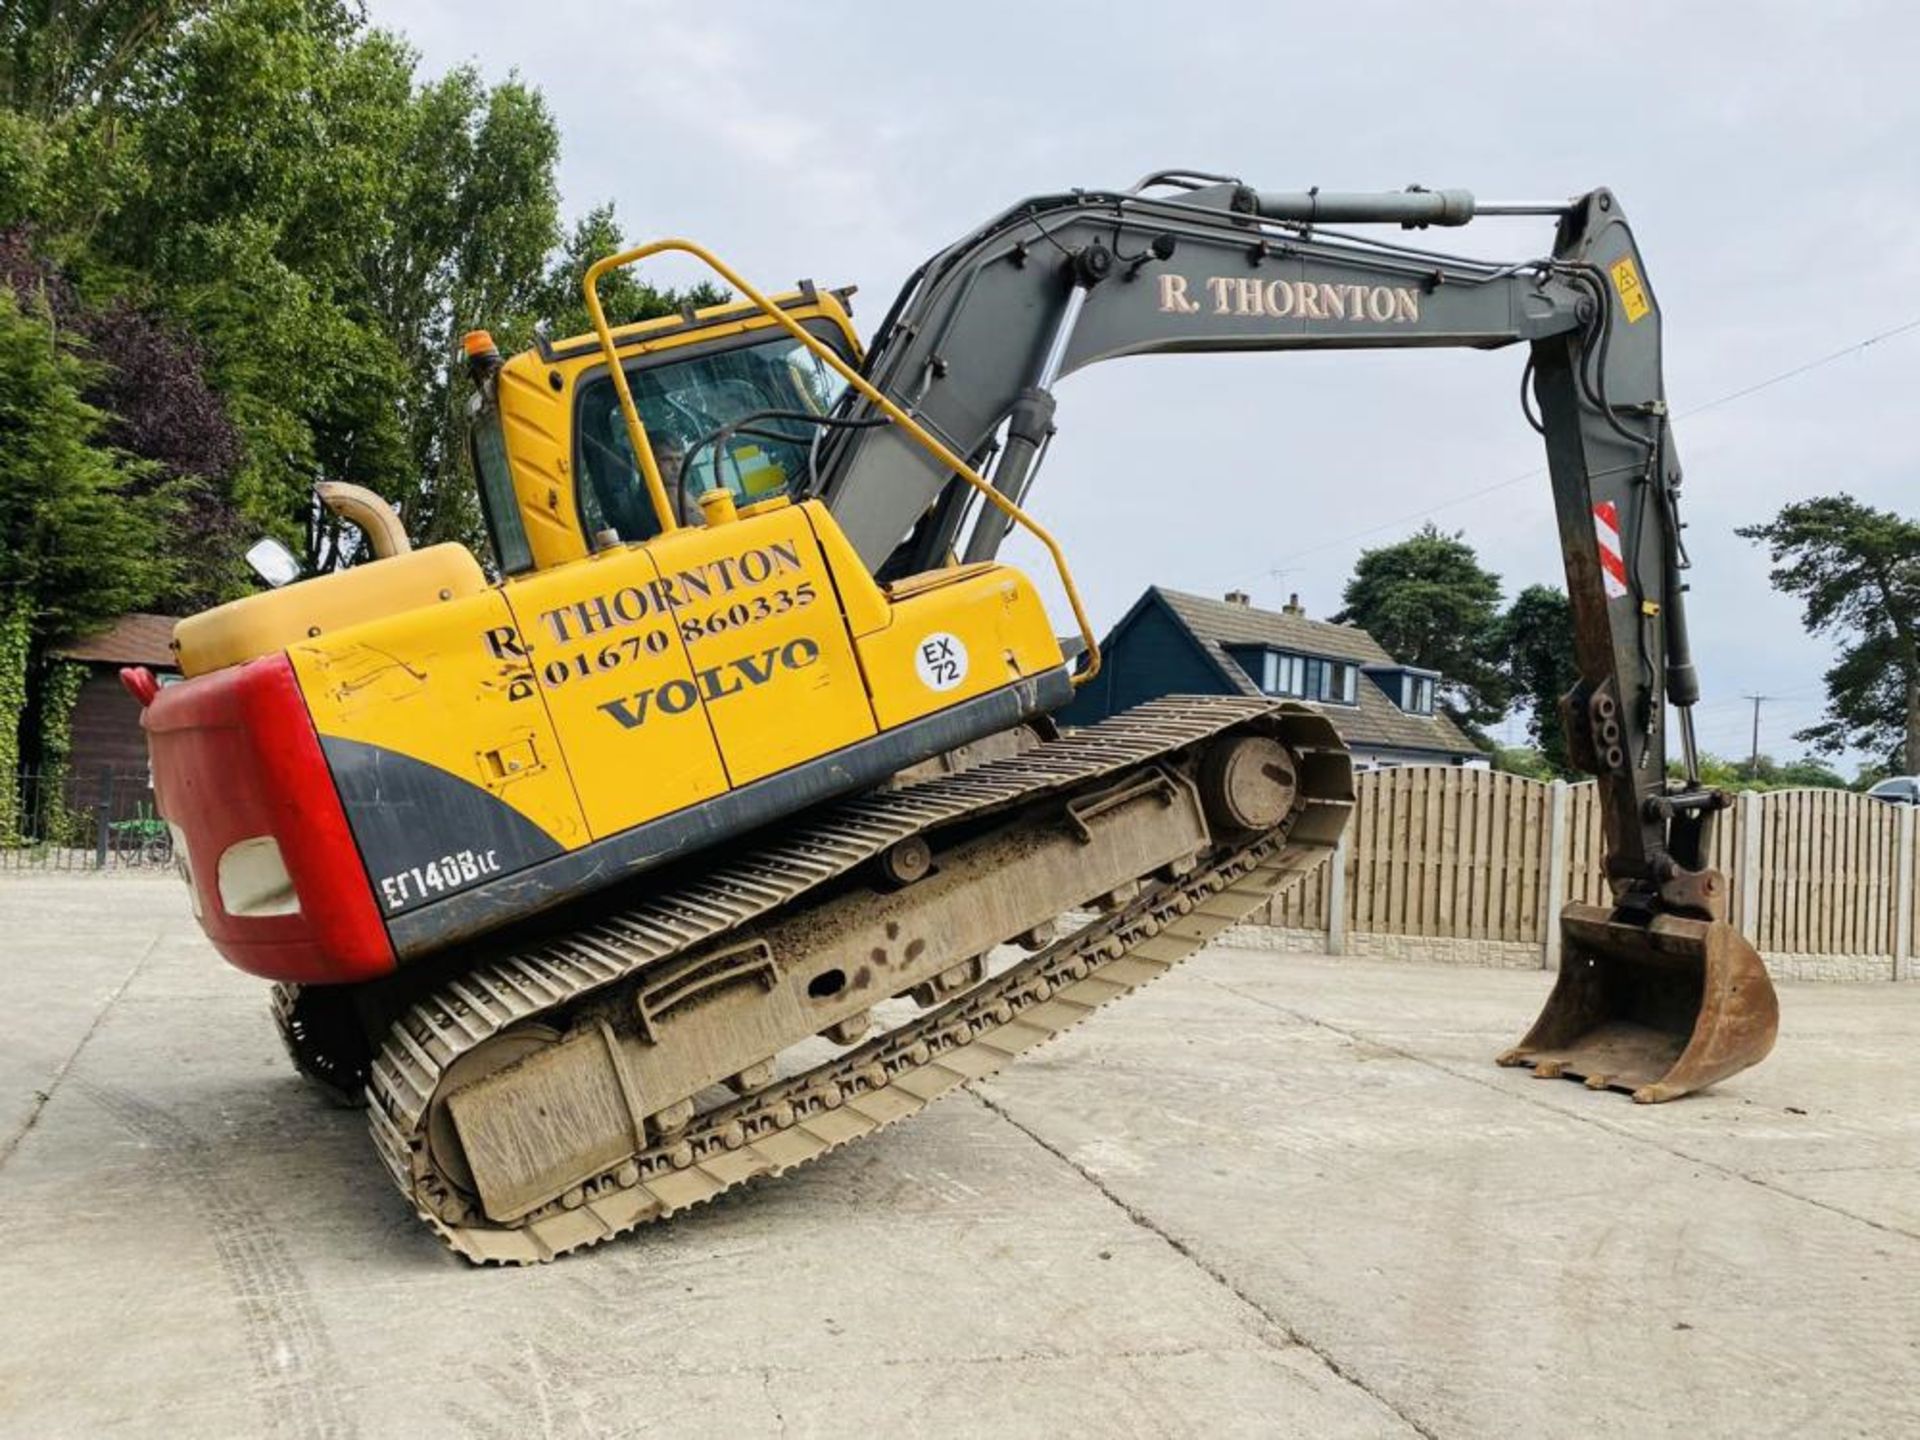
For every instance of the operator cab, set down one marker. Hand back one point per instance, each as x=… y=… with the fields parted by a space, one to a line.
x=551 y=450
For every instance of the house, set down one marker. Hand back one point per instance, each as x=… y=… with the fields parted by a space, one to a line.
x=1172 y=643
x=105 y=722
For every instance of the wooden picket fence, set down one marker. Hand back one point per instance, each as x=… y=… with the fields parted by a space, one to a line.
x=1472 y=855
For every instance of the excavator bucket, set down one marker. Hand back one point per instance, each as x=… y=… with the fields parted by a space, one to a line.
x=1658 y=1009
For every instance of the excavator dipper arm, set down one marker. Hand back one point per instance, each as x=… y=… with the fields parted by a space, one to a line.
x=1658 y=994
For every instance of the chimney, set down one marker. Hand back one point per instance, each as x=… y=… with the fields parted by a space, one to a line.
x=1240 y=598
x=1293 y=606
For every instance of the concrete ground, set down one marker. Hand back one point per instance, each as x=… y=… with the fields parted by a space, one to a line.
x=1267 y=1196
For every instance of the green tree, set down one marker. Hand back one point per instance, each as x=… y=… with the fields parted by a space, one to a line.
x=1764 y=773
x=1523 y=760
x=263 y=141
x=1429 y=601
x=1536 y=655
x=329 y=226
x=66 y=70
x=625 y=296
x=82 y=527
x=1806 y=773
x=148 y=379
x=273 y=177
x=1856 y=571
x=57 y=57
x=476 y=214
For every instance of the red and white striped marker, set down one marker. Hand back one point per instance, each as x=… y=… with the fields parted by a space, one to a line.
x=1613 y=565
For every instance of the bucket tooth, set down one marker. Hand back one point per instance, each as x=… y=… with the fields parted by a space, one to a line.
x=1657 y=1009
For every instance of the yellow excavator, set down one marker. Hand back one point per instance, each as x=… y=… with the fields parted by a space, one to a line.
x=727 y=823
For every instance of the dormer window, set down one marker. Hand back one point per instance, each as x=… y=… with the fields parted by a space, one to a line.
x=1410 y=689
x=1305 y=677
x=1336 y=681
x=1285 y=674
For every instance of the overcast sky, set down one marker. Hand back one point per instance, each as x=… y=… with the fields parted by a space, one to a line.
x=1768 y=156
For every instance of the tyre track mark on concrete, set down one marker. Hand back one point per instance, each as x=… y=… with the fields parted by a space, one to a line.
x=41 y=1097
x=299 y=1376
x=1500 y=1087
x=1213 y=1272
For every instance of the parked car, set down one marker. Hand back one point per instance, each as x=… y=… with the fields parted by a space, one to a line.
x=1897 y=790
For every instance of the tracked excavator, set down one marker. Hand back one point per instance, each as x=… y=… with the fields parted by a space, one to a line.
x=729 y=824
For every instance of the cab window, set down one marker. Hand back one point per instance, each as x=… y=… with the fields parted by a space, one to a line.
x=498 y=504
x=680 y=403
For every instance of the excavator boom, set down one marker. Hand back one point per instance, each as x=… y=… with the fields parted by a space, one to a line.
x=982 y=332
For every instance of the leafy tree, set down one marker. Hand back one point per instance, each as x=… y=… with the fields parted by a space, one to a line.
x=82 y=526
x=1763 y=773
x=624 y=295
x=1807 y=774
x=328 y=227
x=57 y=56
x=269 y=232
x=148 y=378
x=1856 y=571
x=266 y=142
x=1523 y=760
x=1429 y=601
x=1536 y=655
x=67 y=74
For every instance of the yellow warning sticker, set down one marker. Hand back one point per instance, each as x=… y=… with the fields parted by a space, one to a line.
x=1633 y=295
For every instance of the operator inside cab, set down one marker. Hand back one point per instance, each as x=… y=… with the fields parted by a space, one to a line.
x=683 y=404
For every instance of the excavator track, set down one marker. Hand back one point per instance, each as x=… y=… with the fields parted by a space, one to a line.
x=785 y=1122
x=323 y=1040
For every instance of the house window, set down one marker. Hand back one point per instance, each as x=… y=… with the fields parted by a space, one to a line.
x=1422 y=688
x=1308 y=678
x=1335 y=681
x=1283 y=674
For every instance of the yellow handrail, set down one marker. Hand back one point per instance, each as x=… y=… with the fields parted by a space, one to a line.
x=636 y=432
x=656 y=487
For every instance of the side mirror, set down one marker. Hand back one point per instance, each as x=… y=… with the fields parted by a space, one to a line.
x=273 y=563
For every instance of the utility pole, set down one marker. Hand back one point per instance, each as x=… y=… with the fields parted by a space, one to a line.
x=1753 y=758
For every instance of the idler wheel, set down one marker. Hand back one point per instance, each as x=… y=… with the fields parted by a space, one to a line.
x=1247 y=783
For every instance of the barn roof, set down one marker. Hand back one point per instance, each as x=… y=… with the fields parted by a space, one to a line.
x=134 y=639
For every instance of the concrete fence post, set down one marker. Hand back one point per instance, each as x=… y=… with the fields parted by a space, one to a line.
x=1556 y=874
x=1337 y=896
x=1903 y=896
x=1746 y=882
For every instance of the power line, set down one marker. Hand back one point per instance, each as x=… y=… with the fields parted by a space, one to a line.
x=1840 y=354
x=1798 y=690
x=1715 y=403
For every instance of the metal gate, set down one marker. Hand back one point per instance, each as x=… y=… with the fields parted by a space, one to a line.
x=97 y=820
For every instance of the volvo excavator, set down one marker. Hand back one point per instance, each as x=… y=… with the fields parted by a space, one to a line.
x=725 y=822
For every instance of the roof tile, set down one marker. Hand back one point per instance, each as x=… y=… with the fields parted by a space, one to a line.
x=134 y=639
